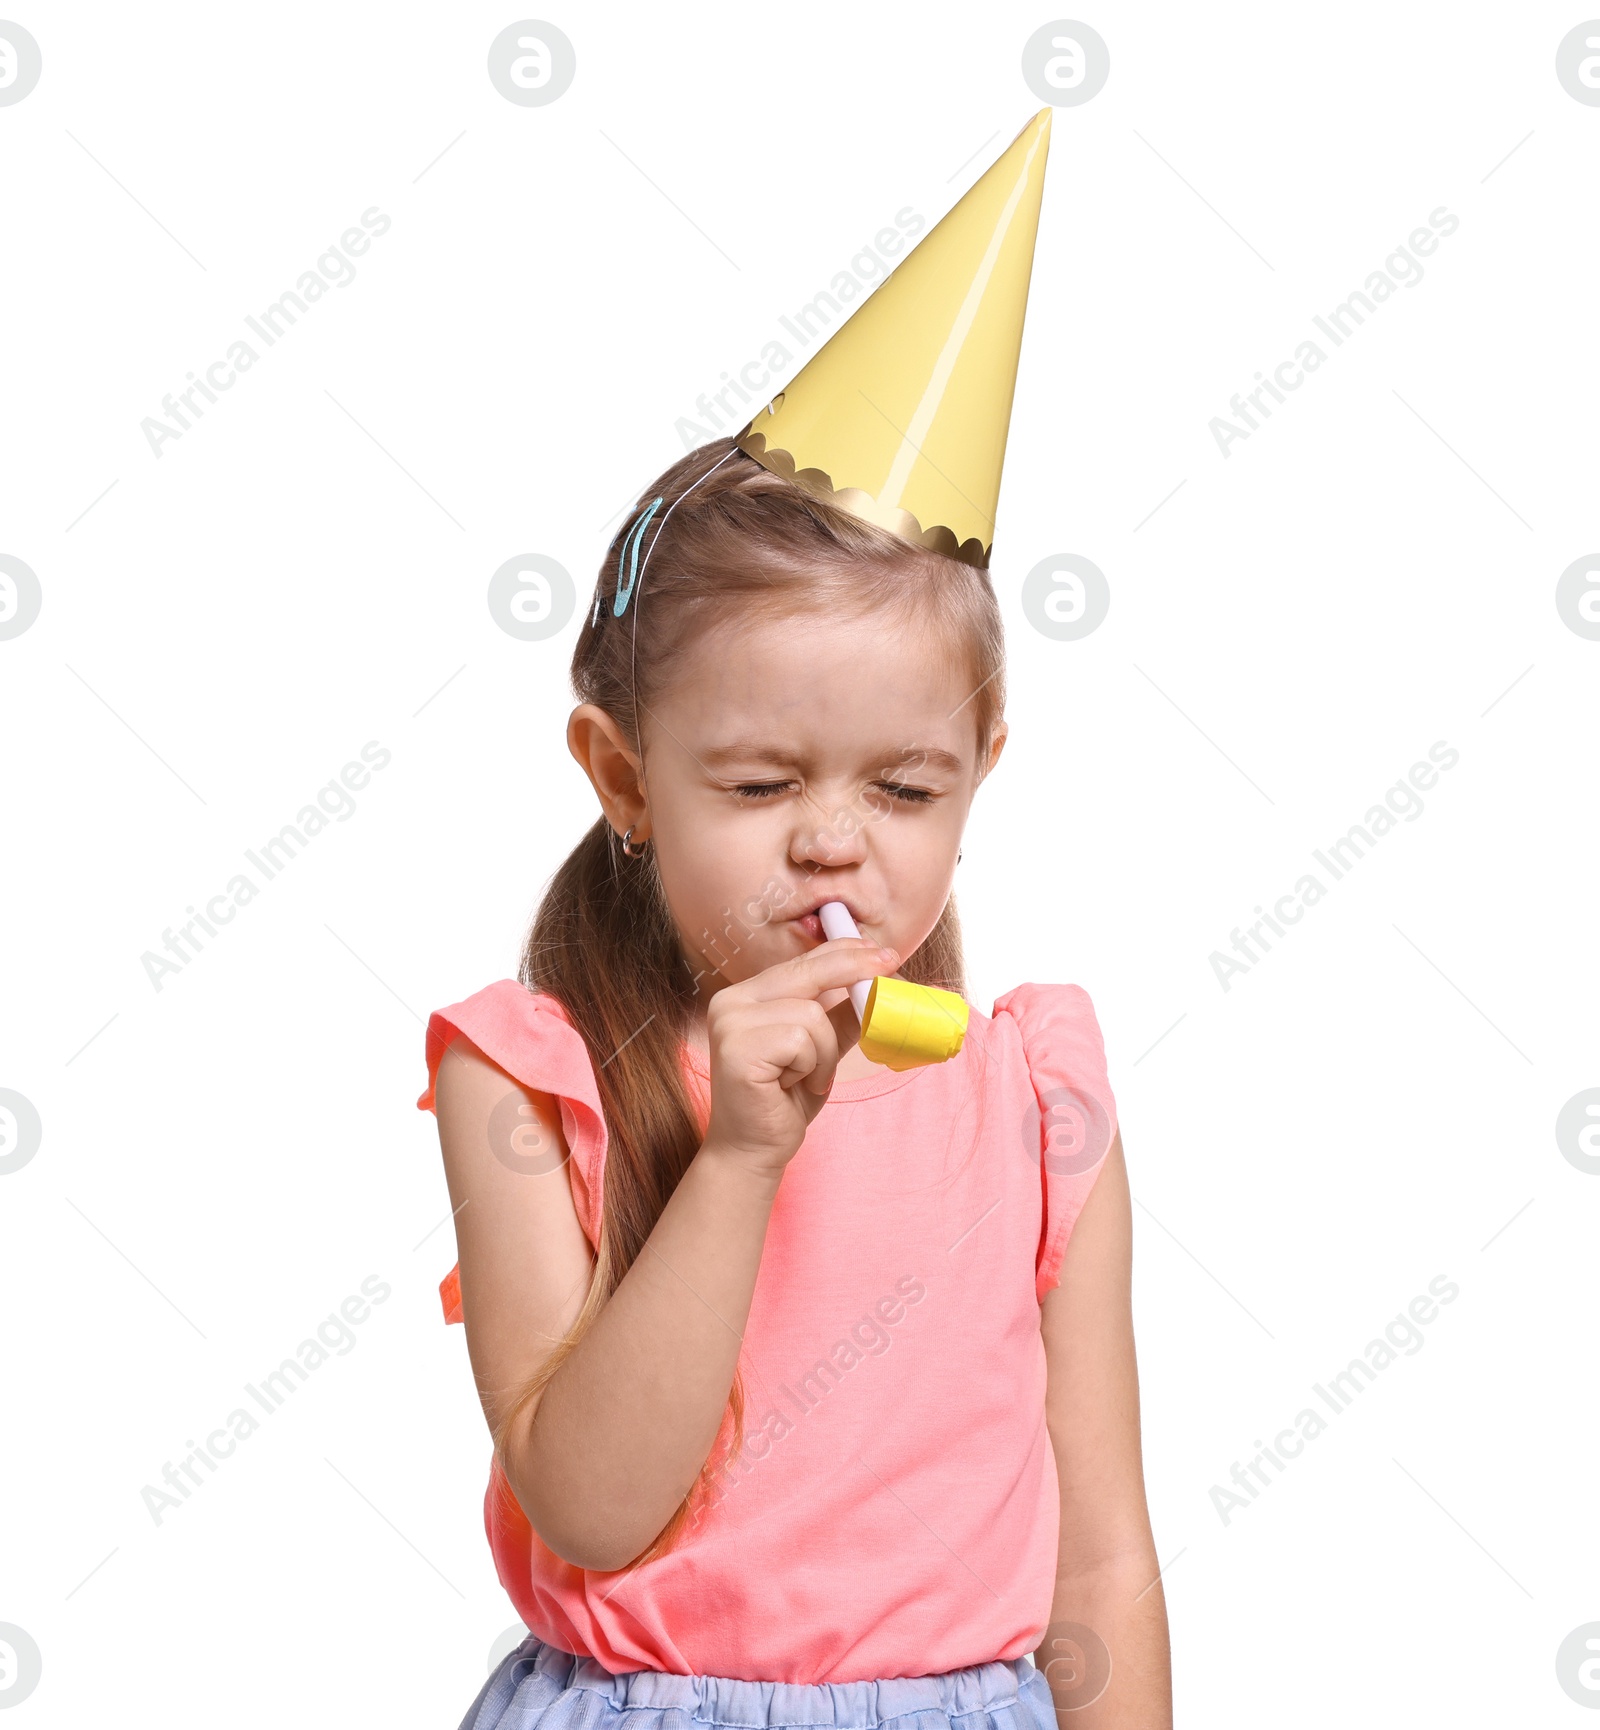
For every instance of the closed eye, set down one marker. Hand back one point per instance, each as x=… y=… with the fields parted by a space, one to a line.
x=770 y=789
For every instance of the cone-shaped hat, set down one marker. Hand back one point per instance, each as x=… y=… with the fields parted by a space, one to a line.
x=901 y=416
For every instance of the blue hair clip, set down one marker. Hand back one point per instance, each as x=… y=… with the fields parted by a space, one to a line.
x=630 y=553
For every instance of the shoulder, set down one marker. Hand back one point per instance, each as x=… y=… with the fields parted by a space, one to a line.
x=1056 y=1025
x=529 y=1036
x=1065 y=1054
x=1072 y=1118
x=525 y=1033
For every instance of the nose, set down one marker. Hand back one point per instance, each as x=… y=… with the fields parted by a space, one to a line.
x=822 y=840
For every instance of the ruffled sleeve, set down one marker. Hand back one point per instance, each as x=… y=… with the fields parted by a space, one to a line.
x=1072 y=1119
x=529 y=1036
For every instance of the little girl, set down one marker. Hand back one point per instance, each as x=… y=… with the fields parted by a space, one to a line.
x=811 y=1382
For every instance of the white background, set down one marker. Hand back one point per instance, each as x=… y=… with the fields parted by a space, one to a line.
x=225 y=1160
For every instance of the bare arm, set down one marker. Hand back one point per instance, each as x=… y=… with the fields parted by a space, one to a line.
x=602 y=1458
x=1106 y=1577
x=626 y=1424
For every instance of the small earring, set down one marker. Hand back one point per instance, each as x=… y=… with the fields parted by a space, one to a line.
x=632 y=852
x=958 y=855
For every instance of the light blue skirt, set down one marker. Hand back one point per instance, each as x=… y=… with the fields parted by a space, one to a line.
x=541 y=1685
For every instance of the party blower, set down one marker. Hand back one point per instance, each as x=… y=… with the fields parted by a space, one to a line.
x=903 y=1026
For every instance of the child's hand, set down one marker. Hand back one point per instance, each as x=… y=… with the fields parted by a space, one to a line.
x=774 y=1049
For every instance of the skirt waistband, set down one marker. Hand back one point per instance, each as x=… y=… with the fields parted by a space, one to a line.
x=536 y=1675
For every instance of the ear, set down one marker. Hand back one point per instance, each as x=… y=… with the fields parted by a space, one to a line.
x=1001 y=733
x=613 y=767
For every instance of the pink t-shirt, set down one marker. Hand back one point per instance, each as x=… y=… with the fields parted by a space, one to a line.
x=894 y=1510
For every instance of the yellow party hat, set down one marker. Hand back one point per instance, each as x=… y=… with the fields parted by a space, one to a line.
x=901 y=416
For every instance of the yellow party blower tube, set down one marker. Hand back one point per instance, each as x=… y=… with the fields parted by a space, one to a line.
x=903 y=1026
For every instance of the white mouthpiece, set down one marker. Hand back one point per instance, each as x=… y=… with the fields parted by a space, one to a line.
x=836 y=922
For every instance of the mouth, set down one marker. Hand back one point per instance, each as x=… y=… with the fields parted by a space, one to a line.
x=810 y=925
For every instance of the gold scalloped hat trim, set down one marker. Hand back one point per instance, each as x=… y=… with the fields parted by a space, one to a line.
x=901 y=416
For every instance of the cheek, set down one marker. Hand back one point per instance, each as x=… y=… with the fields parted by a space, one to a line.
x=922 y=838
x=917 y=857
x=920 y=864
x=712 y=858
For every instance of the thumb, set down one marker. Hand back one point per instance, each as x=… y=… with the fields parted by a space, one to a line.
x=845 y=1024
x=811 y=1103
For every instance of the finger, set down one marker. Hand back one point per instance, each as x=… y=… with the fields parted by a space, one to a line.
x=840 y=961
x=830 y=1044
x=795 y=1048
x=846 y=1025
x=811 y=1103
x=795 y=1033
x=825 y=1041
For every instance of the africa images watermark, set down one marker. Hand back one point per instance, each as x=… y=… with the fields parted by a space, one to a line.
x=1402 y=1335
x=335 y=1335
x=333 y=801
x=1403 y=799
x=334 y=270
x=1401 y=269
x=807 y=324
